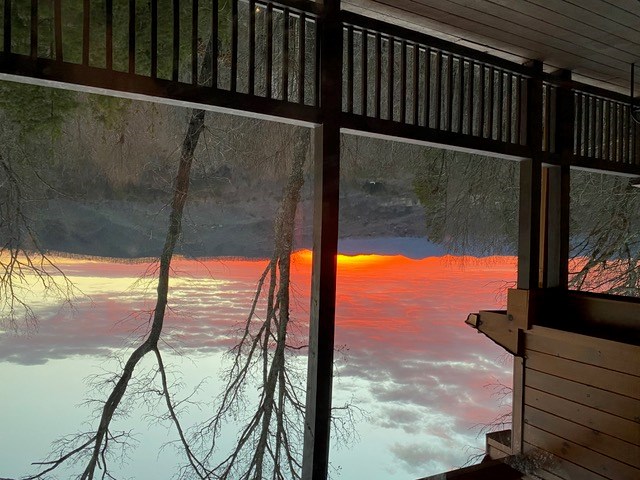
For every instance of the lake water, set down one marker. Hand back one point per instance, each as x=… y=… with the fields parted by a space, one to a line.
x=419 y=376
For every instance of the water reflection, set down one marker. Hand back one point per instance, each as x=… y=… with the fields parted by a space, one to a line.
x=404 y=356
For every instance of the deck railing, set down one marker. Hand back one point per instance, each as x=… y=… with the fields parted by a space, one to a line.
x=261 y=48
x=396 y=75
x=264 y=56
x=604 y=129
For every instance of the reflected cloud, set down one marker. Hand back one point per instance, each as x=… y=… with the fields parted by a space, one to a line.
x=208 y=304
x=404 y=353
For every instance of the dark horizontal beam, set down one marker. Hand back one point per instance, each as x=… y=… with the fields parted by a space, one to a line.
x=45 y=69
x=297 y=6
x=586 y=88
x=390 y=30
x=487 y=470
x=482 y=146
x=614 y=317
x=387 y=29
x=605 y=165
x=601 y=165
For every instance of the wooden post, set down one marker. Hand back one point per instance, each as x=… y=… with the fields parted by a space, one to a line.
x=557 y=214
x=517 y=412
x=325 y=248
x=530 y=184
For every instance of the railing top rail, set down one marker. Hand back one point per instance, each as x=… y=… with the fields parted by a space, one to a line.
x=395 y=31
x=587 y=89
x=297 y=6
x=402 y=33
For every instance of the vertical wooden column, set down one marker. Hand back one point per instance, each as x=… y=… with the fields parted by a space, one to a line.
x=529 y=227
x=530 y=184
x=325 y=248
x=557 y=213
x=517 y=412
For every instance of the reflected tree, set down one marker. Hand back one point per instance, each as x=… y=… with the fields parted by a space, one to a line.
x=95 y=445
x=605 y=240
x=268 y=445
x=470 y=202
x=23 y=184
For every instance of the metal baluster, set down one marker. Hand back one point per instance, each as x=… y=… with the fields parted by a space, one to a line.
x=472 y=100
x=132 y=35
x=491 y=101
x=108 y=34
x=579 y=124
x=7 y=27
x=499 y=106
x=427 y=86
x=416 y=74
x=403 y=81
x=364 y=93
x=461 y=94
x=252 y=48
x=234 y=46
x=269 y=61
x=214 y=44
x=34 y=28
x=481 y=112
x=194 y=43
x=57 y=20
x=509 y=108
x=438 y=87
x=390 y=68
x=301 y=56
x=378 y=54
x=154 y=38
x=86 y=20
x=285 y=55
x=449 y=114
x=317 y=67
x=350 y=72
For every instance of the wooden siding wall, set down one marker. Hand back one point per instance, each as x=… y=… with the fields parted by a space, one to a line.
x=581 y=406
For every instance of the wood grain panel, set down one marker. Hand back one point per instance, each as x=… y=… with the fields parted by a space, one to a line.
x=602 y=378
x=575 y=20
x=582 y=348
x=551 y=467
x=501 y=30
x=592 y=439
x=579 y=455
x=619 y=11
x=586 y=40
x=602 y=400
x=613 y=425
x=553 y=30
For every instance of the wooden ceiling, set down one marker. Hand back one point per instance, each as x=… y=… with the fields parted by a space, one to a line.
x=597 y=40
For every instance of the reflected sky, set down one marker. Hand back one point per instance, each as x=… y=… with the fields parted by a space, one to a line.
x=411 y=360
x=404 y=355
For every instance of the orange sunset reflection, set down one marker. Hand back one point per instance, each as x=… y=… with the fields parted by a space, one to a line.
x=403 y=353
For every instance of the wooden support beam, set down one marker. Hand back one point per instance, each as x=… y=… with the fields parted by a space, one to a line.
x=530 y=184
x=529 y=219
x=499 y=327
x=325 y=249
x=517 y=412
x=489 y=470
x=556 y=273
x=498 y=444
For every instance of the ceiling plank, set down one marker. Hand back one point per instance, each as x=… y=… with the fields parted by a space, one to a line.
x=585 y=17
x=602 y=34
x=505 y=28
x=498 y=31
x=612 y=10
x=502 y=23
